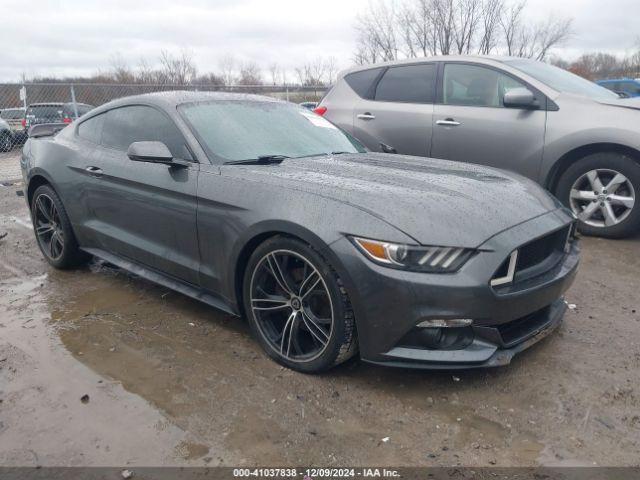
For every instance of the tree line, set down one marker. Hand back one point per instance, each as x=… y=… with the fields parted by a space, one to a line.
x=600 y=65
x=180 y=69
x=420 y=28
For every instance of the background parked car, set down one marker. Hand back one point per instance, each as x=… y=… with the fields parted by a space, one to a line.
x=14 y=117
x=579 y=140
x=38 y=113
x=6 y=136
x=309 y=105
x=627 y=86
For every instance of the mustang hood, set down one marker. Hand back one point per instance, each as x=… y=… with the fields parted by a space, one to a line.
x=436 y=202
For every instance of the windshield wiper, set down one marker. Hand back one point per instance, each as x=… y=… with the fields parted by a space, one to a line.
x=261 y=160
x=324 y=154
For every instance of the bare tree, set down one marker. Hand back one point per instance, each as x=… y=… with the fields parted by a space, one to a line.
x=534 y=40
x=417 y=27
x=177 y=70
x=228 y=65
x=511 y=23
x=250 y=74
x=489 y=35
x=377 y=29
x=467 y=19
x=274 y=73
x=120 y=71
x=331 y=69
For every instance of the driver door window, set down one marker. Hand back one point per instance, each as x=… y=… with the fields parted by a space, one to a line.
x=470 y=85
x=140 y=123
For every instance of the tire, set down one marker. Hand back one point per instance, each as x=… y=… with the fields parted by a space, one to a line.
x=65 y=253
x=305 y=348
x=609 y=213
x=6 y=142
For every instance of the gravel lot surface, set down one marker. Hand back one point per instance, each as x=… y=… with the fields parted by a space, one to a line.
x=101 y=368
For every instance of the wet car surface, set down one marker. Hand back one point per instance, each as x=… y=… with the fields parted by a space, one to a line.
x=172 y=381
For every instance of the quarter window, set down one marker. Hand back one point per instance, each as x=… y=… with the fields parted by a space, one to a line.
x=408 y=84
x=139 y=123
x=476 y=86
x=91 y=129
x=361 y=82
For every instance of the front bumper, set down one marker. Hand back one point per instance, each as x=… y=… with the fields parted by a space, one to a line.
x=388 y=304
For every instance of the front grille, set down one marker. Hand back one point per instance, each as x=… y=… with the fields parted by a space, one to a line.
x=537 y=251
x=532 y=259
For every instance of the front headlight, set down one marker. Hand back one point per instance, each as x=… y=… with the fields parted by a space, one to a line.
x=430 y=259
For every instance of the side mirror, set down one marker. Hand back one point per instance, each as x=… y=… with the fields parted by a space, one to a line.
x=520 y=98
x=152 y=152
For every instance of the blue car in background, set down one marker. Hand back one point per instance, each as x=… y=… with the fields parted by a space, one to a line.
x=626 y=86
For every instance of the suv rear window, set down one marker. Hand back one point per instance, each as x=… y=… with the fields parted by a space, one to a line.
x=45 y=111
x=361 y=82
x=12 y=114
x=408 y=84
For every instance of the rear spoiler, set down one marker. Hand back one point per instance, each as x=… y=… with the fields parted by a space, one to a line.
x=46 y=129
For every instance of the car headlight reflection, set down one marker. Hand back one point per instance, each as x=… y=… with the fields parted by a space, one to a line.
x=417 y=258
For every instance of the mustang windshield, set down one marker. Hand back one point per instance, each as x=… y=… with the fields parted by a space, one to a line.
x=233 y=130
x=561 y=80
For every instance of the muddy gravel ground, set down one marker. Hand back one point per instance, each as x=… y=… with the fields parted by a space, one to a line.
x=98 y=367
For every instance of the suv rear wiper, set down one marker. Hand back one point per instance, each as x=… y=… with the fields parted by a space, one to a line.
x=261 y=160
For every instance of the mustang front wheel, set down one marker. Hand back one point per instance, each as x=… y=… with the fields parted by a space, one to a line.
x=297 y=307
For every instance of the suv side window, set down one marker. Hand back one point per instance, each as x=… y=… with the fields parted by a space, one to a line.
x=408 y=84
x=631 y=87
x=473 y=85
x=139 y=123
x=91 y=129
x=361 y=82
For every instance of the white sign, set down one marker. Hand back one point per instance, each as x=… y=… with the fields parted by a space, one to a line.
x=23 y=94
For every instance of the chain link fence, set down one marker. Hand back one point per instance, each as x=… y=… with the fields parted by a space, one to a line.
x=72 y=100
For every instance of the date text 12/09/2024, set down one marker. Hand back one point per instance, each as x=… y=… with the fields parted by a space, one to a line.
x=312 y=473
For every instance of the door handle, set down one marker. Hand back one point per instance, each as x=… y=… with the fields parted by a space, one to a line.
x=94 y=171
x=448 y=122
x=366 y=116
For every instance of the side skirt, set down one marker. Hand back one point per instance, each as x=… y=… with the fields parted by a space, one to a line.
x=161 y=279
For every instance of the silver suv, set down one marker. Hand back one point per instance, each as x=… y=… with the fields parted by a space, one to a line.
x=579 y=140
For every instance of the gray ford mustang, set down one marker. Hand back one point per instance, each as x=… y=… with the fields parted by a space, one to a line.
x=264 y=209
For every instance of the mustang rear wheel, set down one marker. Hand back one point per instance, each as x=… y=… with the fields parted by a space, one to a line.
x=53 y=230
x=601 y=190
x=297 y=307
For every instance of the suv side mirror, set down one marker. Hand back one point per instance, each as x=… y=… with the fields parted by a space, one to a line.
x=152 y=152
x=520 y=98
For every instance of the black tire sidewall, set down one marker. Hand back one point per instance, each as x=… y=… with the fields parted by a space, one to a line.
x=71 y=255
x=4 y=138
x=612 y=161
x=338 y=335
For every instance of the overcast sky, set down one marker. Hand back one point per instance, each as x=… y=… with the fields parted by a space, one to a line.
x=47 y=38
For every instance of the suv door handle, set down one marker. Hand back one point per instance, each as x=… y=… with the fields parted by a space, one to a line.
x=366 y=116
x=448 y=122
x=94 y=171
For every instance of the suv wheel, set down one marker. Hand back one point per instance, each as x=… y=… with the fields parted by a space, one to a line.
x=601 y=190
x=6 y=142
x=297 y=307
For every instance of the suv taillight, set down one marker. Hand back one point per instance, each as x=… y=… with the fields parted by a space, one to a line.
x=320 y=110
